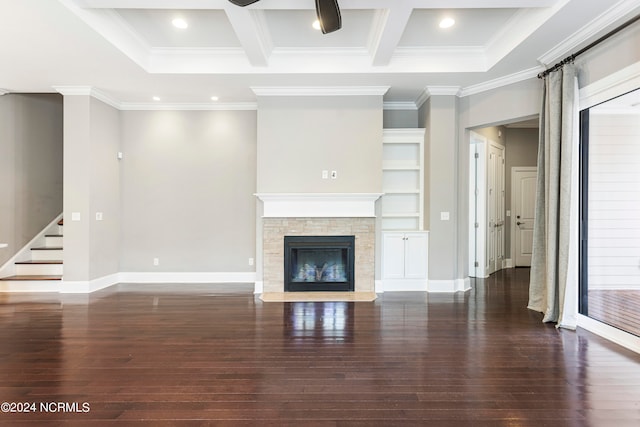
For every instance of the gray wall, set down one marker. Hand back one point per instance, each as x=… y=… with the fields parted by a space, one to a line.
x=91 y=185
x=188 y=183
x=299 y=137
x=440 y=116
x=105 y=189
x=393 y=119
x=30 y=167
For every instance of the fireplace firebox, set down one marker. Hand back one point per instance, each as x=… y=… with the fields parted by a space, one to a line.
x=319 y=263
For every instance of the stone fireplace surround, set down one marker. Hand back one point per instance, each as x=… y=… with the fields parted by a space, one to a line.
x=318 y=214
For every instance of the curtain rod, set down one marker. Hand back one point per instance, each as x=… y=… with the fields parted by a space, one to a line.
x=572 y=57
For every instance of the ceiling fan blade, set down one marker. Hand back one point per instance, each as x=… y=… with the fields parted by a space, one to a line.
x=243 y=2
x=328 y=14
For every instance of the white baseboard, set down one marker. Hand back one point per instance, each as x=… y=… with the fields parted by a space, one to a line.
x=507 y=263
x=379 y=287
x=187 y=277
x=86 y=287
x=404 y=285
x=449 y=286
x=615 y=335
x=258 y=287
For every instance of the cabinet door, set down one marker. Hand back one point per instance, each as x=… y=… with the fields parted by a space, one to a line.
x=415 y=257
x=393 y=256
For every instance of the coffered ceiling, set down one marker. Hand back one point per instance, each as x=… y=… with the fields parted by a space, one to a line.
x=129 y=51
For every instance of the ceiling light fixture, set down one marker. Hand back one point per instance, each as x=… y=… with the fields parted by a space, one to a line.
x=214 y=98
x=316 y=24
x=447 y=23
x=180 y=23
x=156 y=98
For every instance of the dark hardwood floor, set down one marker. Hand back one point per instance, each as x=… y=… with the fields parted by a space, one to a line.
x=192 y=355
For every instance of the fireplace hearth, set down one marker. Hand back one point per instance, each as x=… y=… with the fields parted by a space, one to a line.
x=319 y=263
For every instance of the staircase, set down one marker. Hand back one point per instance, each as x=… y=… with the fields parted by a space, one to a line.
x=43 y=267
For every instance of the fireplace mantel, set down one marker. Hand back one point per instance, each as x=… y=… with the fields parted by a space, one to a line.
x=319 y=205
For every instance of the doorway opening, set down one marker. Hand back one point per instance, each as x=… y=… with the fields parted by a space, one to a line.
x=496 y=154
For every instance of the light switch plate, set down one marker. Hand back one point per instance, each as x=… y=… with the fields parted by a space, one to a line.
x=98 y=216
x=75 y=216
x=325 y=174
x=444 y=216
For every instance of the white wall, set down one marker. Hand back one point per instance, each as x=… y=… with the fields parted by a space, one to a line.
x=188 y=182
x=30 y=167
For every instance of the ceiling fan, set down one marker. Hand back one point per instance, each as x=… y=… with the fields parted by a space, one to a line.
x=327 y=11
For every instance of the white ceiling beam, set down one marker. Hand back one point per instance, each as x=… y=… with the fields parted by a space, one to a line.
x=252 y=32
x=310 y=4
x=388 y=34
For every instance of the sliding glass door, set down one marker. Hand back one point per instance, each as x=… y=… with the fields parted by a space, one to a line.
x=610 y=212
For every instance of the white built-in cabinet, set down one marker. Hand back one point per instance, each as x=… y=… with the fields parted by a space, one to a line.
x=405 y=246
x=404 y=260
x=402 y=179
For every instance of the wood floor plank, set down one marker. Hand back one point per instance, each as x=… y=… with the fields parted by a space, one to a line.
x=194 y=355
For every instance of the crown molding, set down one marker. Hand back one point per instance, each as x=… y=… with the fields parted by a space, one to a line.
x=424 y=95
x=608 y=18
x=231 y=106
x=443 y=90
x=148 y=106
x=501 y=81
x=399 y=106
x=87 y=91
x=320 y=90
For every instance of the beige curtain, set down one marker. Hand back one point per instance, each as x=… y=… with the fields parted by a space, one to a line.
x=553 y=238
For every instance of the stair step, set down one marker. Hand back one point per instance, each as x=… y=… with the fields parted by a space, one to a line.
x=53 y=240
x=31 y=277
x=47 y=253
x=38 y=261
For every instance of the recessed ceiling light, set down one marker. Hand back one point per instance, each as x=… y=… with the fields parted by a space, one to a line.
x=316 y=24
x=180 y=23
x=156 y=98
x=447 y=23
x=214 y=98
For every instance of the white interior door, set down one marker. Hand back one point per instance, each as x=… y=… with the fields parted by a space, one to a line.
x=523 y=195
x=495 y=208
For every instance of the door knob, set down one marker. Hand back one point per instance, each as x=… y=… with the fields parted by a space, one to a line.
x=519 y=223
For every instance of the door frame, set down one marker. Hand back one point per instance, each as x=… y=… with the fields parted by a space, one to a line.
x=512 y=238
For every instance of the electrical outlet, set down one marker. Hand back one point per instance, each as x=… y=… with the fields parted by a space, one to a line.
x=334 y=174
x=251 y=261
x=156 y=261
x=98 y=216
